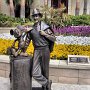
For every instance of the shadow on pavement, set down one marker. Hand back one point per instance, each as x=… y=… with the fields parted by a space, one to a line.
x=36 y=88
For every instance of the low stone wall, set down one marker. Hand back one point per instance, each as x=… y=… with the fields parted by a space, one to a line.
x=5 y=29
x=60 y=72
x=70 y=76
x=4 y=66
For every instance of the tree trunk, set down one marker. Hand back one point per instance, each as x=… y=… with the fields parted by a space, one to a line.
x=85 y=7
x=45 y=2
x=30 y=3
x=0 y=4
x=22 y=12
x=12 y=9
x=77 y=7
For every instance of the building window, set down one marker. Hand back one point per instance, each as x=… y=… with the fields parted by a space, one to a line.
x=60 y=4
x=54 y=3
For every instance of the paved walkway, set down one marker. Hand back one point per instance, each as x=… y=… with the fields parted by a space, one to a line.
x=5 y=85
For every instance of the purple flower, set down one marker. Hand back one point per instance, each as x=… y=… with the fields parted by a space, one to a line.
x=73 y=30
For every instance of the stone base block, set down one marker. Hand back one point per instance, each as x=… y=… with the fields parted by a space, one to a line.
x=20 y=76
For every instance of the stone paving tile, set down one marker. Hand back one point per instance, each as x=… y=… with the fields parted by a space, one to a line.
x=5 y=85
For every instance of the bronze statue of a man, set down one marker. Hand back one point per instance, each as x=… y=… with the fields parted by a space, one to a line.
x=43 y=39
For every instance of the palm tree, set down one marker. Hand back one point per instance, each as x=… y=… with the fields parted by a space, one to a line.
x=11 y=5
x=22 y=11
x=77 y=7
x=85 y=7
x=14 y=3
x=24 y=3
x=0 y=4
x=46 y=2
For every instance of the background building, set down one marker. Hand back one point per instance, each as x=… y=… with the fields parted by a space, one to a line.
x=73 y=7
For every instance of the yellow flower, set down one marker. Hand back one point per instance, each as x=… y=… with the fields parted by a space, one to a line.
x=60 y=51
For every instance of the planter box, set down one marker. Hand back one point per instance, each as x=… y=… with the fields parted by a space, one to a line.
x=59 y=71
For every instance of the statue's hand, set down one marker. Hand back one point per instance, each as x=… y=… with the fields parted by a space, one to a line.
x=28 y=29
x=16 y=54
x=42 y=33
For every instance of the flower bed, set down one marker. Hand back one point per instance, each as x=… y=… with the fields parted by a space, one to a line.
x=60 y=39
x=6 y=36
x=5 y=43
x=73 y=40
x=61 y=51
x=73 y=30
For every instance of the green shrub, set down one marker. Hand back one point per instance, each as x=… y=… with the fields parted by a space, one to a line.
x=7 y=21
x=80 y=20
x=56 y=19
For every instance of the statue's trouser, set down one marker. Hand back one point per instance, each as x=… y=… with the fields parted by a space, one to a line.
x=40 y=71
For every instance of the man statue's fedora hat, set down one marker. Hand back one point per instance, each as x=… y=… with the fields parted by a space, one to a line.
x=36 y=12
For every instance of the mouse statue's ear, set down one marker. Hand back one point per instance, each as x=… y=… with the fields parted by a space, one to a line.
x=11 y=32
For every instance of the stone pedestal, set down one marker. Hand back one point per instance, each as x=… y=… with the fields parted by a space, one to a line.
x=20 y=76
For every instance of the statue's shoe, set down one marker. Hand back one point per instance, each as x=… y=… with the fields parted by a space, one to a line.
x=48 y=87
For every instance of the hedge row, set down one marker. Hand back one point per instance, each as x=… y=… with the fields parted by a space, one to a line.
x=68 y=20
x=7 y=21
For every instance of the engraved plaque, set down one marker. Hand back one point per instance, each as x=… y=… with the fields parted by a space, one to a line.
x=73 y=59
x=78 y=59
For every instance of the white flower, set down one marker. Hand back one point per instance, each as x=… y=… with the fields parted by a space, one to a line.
x=72 y=40
x=6 y=36
x=59 y=39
